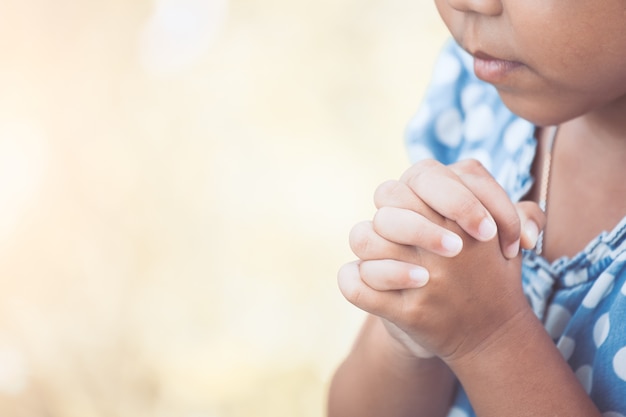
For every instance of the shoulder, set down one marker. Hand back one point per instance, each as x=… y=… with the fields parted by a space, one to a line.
x=582 y=303
x=586 y=313
x=462 y=117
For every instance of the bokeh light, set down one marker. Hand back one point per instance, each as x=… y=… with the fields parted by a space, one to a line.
x=177 y=183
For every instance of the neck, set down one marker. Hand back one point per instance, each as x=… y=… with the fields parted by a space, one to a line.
x=605 y=126
x=587 y=190
x=597 y=145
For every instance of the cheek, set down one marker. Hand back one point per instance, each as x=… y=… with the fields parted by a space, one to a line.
x=554 y=97
x=575 y=40
x=583 y=72
x=451 y=18
x=571 y=70
x=441 y=6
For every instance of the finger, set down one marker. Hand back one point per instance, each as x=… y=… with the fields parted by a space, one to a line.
x=398 y=194
x=495 y=199
x=407 y=227
x=388 y=274
x=533 y=220
x=369 y=245
x=424 y=232
x=363 y=296
x=440 y=188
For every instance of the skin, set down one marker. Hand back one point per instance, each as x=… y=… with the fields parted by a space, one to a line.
x=571 y=52
x=468 y=318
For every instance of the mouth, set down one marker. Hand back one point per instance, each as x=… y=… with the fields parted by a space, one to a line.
x=491 y=69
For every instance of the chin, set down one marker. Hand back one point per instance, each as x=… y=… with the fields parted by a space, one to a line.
x=541 y=111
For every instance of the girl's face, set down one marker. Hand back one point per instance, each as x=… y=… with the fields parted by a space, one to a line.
x=551 y=60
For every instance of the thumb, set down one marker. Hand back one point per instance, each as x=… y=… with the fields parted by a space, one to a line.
x=533 y=220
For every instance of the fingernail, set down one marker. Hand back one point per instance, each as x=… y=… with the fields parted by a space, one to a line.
x=419 y=276
x=452 y=243
x=532 y=232
x=512 y=250
x=487 y=229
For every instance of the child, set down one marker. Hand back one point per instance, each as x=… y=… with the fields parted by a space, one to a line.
x=461 y=322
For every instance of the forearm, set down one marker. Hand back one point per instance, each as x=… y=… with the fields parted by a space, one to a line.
x=375 y=380
x=521 y=373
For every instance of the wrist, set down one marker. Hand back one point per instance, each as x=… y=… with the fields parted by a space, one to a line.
x=521 y=329
x=403 y=357
x=522 y=365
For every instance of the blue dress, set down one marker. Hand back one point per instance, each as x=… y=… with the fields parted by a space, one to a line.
x=580 y=300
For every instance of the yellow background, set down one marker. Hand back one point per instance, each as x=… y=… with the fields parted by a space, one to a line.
x=177 y=184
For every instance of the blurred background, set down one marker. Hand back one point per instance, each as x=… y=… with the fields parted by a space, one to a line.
x=177 y=183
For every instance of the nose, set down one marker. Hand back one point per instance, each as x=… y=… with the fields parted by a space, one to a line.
x=484 y=7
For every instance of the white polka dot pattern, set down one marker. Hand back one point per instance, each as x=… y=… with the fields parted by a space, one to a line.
x=576 y=277
x=557 y=319
x=447 y=70
x=598 y=291
x=420 y=152
x=449 y=128
x=470 y=96
x=421 y=119
x=457 y=412
x=601 y=329
x=479 y=123
x=619 y=363
x=585 y=376
x=516 y=134
x=481 y=156
x=566 y=345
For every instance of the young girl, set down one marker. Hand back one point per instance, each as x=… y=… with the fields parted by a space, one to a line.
x=461 y=321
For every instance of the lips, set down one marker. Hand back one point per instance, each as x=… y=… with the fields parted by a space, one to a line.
x=491 y=69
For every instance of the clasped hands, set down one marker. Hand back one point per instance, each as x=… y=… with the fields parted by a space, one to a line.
x=439 y=262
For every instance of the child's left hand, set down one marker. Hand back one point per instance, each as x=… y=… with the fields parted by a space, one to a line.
x=472 y=292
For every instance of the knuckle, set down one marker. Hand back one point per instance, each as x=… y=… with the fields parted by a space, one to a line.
x=418 y=169
x=346 y=283
x=351 y=294
x=428 y=163
x=387 y=192
x=513 y=222
x=361 y=239
x=381 y=217
x=466 y=207
x=513 y=225
x=472 y=166
x=410 y=313
x=388 y=224
x=530 y=210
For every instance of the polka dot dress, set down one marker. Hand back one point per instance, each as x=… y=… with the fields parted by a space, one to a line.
x=582 y=300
